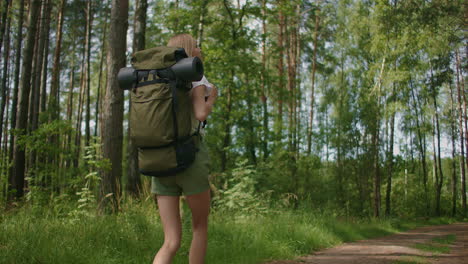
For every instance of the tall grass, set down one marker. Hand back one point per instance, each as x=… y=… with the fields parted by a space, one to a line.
x=51 y=235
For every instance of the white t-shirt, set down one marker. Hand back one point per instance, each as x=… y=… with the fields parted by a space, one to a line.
x=205 y=82
x=209 y=87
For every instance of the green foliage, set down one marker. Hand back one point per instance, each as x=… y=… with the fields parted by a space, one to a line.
x=239 y=193
x=95 y=164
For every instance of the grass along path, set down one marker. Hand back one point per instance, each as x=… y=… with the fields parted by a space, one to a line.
x=62 y=235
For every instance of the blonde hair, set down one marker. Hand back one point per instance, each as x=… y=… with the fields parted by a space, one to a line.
x=184 y=41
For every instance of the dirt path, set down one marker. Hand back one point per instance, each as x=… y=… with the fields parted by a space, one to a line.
x=393 y=248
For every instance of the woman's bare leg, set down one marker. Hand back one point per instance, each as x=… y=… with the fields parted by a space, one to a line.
x=170 y=218
x=200 y=206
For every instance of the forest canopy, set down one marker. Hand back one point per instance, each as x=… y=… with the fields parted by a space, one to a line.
x=358 y=106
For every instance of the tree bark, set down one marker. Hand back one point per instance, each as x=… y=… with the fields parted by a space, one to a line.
x=14 y=103
x=54 y=85
x=461 y=109
x=439 y=175
x=6 y=59
x=5 y=17
x=45 y=61
x=421 y=144
x=453 y=121
x=263 y=84
x=280 y=93
x=133 y=174
x=22 y=112
x=99 y=90
x=312 y=89
x=201 y=24
x=112 y=125
x=390 y=164
x=89 y=24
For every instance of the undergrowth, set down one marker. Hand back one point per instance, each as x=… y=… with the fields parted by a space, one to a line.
x=56 y=234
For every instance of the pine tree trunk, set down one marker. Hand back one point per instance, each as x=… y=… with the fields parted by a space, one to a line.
x=112 y=115
x=89 y=24
x=99 y=90
x=14 y=103
x=54 y=85
x=45 y=60
x=36 y=77
x=263 y=84
x=81 y=100
x=312 y=90
x=134 y=181
x=6 y=59
x=250 y=146
x=280 y=93
x=22 y=112
x=5 y=17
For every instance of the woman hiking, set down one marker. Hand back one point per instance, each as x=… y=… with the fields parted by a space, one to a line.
x=192 y=182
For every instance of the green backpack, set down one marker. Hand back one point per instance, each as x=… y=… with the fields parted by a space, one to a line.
x=161 y=113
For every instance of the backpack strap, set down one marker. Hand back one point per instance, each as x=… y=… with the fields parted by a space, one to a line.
x=173 y=84
x=140 y=84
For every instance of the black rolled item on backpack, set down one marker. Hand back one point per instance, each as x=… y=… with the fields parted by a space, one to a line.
x=127 y=77
x=186 y=69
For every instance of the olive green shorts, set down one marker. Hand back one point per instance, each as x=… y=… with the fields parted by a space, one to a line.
x=193 y=180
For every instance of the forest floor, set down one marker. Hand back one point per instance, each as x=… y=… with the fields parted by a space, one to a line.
x=447 y=244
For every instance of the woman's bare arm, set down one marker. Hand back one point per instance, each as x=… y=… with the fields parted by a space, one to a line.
x=201 y=107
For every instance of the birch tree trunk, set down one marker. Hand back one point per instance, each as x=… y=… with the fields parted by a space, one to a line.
x=461 y=109
x=453 y=121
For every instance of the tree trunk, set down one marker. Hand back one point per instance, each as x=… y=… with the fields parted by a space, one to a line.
x=112 y=125
x=36 y=77
x=461 y=109
x=263 y=84
x=89 y=24
x=280 y=93
x=99 y=90
x=133 y=174
x=251 y=139
x=421 y=144
x=45 y=61
x=312 y=90
x=453 y=120
x=201 y=23
x=14 y=103
x=5 y=24
x=388 y=199
x=376 y=144
x=54 y=85
x=22 y=112
x=6 y=59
